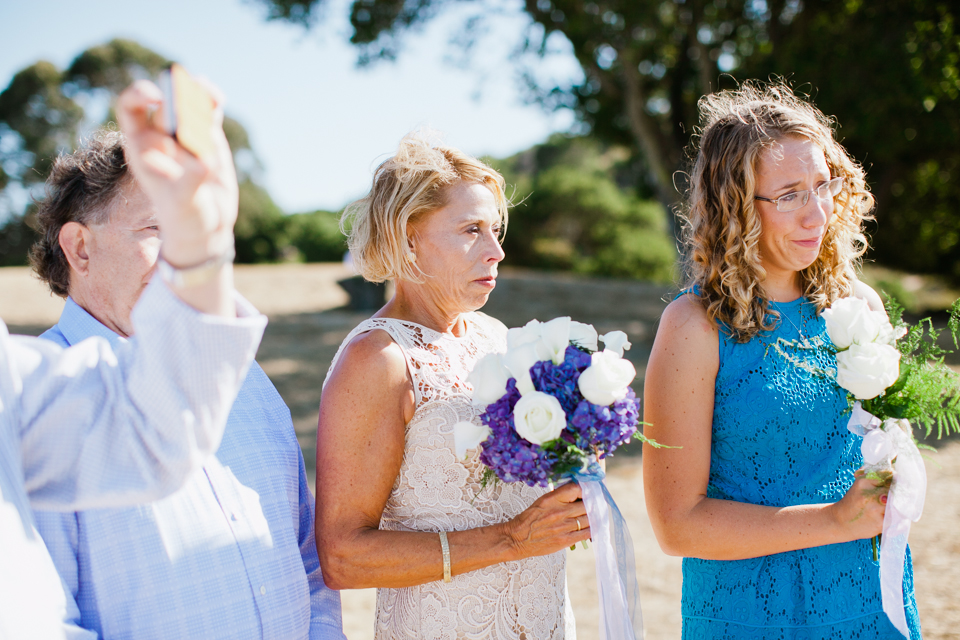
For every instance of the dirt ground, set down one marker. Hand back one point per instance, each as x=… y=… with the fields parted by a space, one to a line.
x=308 y=322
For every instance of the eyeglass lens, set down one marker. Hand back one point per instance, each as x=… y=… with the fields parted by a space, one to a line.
x=794 y=201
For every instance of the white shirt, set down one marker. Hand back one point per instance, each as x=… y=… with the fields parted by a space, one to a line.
x=141 y=420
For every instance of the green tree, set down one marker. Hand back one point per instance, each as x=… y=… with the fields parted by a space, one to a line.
x=573 y=214
x=44 y=111
x=887 y=70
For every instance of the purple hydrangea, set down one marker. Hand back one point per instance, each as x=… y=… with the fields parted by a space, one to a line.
x=514 y=459
x=511 y=457
x=605 y=427
x=560 y=380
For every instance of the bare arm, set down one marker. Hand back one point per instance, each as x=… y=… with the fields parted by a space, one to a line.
x=678 y=407
x=360 y=442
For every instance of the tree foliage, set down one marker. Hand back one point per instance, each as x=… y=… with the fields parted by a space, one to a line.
x=45 y=111
x=572 y=213
x=888 y=71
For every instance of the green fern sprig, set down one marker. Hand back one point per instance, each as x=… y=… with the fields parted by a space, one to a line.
x=927 y=393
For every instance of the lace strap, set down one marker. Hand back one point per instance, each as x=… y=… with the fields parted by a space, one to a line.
x=394 y=329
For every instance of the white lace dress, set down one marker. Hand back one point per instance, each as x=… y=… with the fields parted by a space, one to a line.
x=524 y=600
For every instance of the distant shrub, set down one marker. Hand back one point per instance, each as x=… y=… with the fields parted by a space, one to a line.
x=261 y=229
x=317 y=236
x=16 y=238
x=572 y=214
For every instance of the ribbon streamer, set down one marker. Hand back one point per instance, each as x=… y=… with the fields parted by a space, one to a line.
x=904 y=503
x=620 y=614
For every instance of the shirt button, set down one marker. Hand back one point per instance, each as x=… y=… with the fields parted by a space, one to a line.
x=233 y=516
x=263 y=590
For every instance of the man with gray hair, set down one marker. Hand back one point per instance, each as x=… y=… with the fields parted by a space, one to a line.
x=91 y=426
x=231 y=554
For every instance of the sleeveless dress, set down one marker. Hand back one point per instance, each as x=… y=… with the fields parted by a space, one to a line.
x=523 y=600
x=779 y=439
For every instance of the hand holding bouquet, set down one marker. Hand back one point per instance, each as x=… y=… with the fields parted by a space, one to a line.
x=553 y=405
x=894 y=374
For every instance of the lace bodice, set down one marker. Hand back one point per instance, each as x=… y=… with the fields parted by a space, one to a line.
x=779 y=439
x=435 y=491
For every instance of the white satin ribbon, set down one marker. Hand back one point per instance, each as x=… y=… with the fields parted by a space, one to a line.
x=620 y=615
x=904 y=502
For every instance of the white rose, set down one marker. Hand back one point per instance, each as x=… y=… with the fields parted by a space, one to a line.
x=616 y=341
x=606 y=379
x=467 y=435
x=554 y=338
x=519 y=336
x=889 y=335
x=488 y=379
x=851 y=321
x=539 y=418
x=518 y=362
x=865 y=370
x=583 y=335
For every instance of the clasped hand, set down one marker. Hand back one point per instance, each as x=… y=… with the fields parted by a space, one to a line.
x=861 y=511
x=555 y=520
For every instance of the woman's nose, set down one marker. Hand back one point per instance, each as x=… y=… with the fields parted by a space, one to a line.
x=495 y=251
x=818 y=210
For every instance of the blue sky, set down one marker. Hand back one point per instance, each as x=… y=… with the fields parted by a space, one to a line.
x=318 y=124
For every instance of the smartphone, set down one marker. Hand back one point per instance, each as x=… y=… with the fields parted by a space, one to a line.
x=188 y=111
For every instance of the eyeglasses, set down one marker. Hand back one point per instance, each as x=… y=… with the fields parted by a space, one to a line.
x=797 y=199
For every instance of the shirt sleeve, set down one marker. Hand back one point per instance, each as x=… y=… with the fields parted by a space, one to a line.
x=326 y=618
x=141 y=418
x=60 y=533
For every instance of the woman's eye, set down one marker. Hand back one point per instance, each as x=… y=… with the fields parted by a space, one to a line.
x=790 y=197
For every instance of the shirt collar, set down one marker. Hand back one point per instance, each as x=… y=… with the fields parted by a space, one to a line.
x=76 y=325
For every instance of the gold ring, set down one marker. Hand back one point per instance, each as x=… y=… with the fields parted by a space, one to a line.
x=578 y=524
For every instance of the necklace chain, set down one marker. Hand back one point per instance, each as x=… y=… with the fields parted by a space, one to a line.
x=803 y=342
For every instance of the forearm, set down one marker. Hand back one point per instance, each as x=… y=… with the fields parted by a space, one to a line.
x=727 y=530
x=394 y=559
x=145 y=417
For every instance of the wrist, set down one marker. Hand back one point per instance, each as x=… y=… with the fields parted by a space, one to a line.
x=189 y=251
x=197 y=274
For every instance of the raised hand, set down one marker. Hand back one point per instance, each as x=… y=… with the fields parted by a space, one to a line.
x=196 y=200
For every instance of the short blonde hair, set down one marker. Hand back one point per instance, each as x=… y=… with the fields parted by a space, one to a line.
x=723 y=225
x=412 y=183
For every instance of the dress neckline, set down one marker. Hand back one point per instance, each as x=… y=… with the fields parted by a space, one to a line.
x=467 y=327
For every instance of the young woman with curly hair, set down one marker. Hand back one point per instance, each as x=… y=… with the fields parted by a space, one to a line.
x=764 y=500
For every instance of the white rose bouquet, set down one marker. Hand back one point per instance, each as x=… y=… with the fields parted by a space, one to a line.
x=894 y=375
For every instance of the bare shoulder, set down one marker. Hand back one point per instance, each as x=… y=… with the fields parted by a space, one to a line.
x=685 y=319
x=865 y=292
x=373 y=354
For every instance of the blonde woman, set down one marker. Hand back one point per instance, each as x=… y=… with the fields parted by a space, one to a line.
x=765 y=500
x=397 y=509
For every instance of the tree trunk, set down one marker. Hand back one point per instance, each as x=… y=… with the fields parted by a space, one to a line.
x=650 y=141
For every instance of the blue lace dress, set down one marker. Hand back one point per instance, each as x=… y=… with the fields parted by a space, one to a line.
x=780 y=439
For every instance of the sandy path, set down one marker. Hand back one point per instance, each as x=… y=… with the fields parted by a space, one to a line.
x=306 y=328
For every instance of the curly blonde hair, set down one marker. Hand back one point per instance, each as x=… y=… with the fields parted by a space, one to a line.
x=722 y=230
x=406 y=187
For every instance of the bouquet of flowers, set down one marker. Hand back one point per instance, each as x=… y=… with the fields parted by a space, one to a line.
x=894 y=375
x=553 y=405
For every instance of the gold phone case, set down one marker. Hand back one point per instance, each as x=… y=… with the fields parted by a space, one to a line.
x=188 y=111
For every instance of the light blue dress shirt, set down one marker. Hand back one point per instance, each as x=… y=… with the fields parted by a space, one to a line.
x=173 y=389
x=230 y=555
